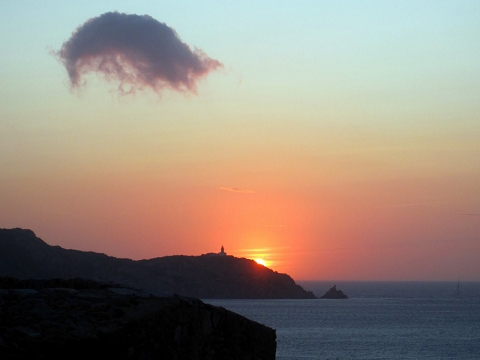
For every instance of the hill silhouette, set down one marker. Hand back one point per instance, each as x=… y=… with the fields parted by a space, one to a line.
x=23 y=255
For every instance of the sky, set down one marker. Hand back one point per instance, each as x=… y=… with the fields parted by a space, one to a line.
x=332 y=139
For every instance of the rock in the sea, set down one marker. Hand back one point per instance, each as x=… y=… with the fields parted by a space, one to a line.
x=333 y=293
x=50 y=319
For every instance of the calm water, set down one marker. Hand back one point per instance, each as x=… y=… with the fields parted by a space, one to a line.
x=379 y=321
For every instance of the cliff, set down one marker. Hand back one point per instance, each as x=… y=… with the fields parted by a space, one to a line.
x=53 y=319
x=23 y=255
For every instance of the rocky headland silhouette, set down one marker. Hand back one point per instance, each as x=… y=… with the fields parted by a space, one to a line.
x=23 y=255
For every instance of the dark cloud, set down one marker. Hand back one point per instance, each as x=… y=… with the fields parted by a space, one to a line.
x=138 y=51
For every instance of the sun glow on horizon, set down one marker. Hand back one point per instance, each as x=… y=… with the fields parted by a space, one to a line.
x=260 y=261
x=266 y=256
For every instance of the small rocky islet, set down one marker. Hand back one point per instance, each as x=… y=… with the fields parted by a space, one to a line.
x=334 y=293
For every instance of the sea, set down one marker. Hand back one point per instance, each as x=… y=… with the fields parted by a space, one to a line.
x=380 y=320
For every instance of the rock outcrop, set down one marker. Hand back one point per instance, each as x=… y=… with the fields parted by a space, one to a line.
x=53 y=319
x=333 y=293
x=23 y=255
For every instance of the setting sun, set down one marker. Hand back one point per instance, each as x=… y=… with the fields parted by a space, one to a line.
x=260 y=261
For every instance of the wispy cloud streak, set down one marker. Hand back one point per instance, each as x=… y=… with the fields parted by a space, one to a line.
x=417 y=204
x=237 y=190
x=138 y=51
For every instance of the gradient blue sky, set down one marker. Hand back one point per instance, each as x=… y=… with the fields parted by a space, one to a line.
x=354 y=125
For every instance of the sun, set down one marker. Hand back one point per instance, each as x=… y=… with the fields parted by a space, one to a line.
x=260 y=261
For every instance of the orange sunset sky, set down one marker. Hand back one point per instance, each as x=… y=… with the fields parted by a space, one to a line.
x=338 y=140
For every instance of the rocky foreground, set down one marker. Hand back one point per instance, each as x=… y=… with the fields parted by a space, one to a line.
x=45 y=319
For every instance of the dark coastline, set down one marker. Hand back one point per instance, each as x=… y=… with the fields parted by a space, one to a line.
x=23 y=255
